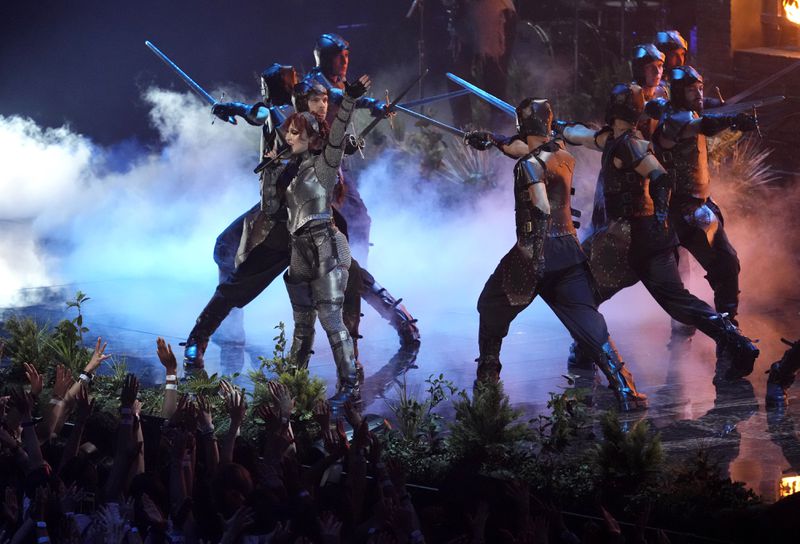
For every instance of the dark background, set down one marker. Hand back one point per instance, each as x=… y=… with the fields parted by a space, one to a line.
x=84 y=62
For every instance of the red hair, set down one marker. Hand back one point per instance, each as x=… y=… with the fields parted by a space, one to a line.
x=300 y=120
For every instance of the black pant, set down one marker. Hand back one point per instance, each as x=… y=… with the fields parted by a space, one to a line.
x=568 y=292
x=658 y=272
x=263 y=264
x=227 y=244
x=238 y=288
x=718 y=258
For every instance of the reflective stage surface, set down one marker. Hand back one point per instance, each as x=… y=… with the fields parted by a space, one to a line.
x=730 y=422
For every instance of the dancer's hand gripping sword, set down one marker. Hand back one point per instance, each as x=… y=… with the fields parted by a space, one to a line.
x=391 y=106
x=184 y=76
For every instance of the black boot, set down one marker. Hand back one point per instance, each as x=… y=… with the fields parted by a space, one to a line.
x=489 y=359
x=736 y=353
x=579 y=359
x=620 y=380
x=782 y=374
x=207 y=322
x=390 y=309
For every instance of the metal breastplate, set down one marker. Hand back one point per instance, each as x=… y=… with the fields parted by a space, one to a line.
x=625 y=192
x=306 y=198
x=687 y=165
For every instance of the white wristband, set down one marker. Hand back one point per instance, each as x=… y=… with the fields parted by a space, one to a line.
x=171 y=387
x=172 y=377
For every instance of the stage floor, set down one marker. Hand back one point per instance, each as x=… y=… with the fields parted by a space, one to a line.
x=731 y=423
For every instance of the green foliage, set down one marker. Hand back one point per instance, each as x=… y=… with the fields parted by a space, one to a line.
x=688 y=491
x=66 y=346
x=425 y=461
x=305 y=389
x=567 y=420
x=627 y=460
x=428 y=147
x=77 y=321
x=415 y=439
x=414 y=417
x=485 y=425
x=199 y=384
x=27 y=343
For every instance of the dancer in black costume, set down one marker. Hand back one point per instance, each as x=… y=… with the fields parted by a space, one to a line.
x=638 y=242
x=546 y=260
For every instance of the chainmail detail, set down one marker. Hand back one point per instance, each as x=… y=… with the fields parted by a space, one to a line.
x=316 y=252
x=330 y=317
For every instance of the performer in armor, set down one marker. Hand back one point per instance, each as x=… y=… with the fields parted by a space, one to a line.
x=648 y=67
x=277 y=84
x=318 y=270
x=332 y=56
x=782 y=374
x=546 y=260
x=638 y=242
x=679 y=143
x=247 y=268
x=242 y=276
x=313 y=97
x=674 y=47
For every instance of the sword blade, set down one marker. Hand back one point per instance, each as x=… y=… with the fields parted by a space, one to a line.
x=480 y=93
x=764 y=83
x=189 y=81
x=435 y=98
x=391 y=106
x=727 y=107
x=431 y=121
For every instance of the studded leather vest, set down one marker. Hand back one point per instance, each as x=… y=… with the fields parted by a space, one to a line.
x=687 y=162
x=552 y=165
x=625 y=192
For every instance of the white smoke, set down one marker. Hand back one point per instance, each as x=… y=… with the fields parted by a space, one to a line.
x=78 y=218
x=141 y=233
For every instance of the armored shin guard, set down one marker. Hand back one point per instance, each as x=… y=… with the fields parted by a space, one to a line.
x=736 y=353
x=389 y=308
x=620 y=380
x=305 y=316
x=782 y=374
x=347 y=386
x=303 y=336
x=352 y=322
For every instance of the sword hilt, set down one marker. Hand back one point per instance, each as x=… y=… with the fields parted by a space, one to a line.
x=758 y=126
x=231 y=119
x=389 y=113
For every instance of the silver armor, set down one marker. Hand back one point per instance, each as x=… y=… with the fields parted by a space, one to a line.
x=309 y=195
x=318 y=270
